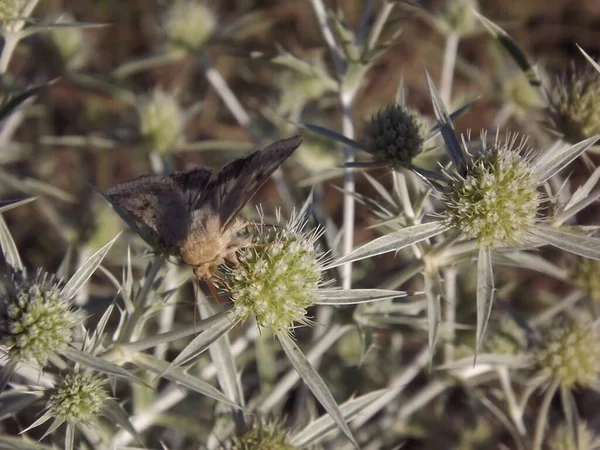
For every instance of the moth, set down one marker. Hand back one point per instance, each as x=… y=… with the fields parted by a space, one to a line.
x=188 y=214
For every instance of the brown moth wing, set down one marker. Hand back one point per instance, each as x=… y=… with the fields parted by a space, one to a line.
x=158 y=206
x=192 y=183
x=241 y=178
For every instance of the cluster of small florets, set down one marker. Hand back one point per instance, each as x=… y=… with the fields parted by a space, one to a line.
x=262 y=435
x=36 y=321
x=584 y=273
x=507 y=338
x=77 y=398
x=570 y=353
x=10 y=10
x=160 y=121
x=277 y=277
x=189 y=25
x=573 y=103
x=70 y=43
x=495 y=200
x=563 y=439
x=395 y=136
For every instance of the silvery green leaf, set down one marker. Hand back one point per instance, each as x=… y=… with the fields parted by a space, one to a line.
x=518 y=55
x=573 y=208
x=332 y=135
x=148 y=362
x=531 y=261
x=483 y=359
x=453 y=116
x=14 y=401
x=7 y=371
x=223 y=359
x=589 y=58
x=69 y=436
x=86 y=270
x=10 y=204
x=289 y=380
x=392 y=242
x=567 y=240
x=18 y=443
x=453 y=145
x=569 y=406
x=99 y=364
x=115 y=414
x=9 y=248
x=551 y=164
x=584 y=190
x=434 y=312
x=315 y=383
x=381 y=190
x=42 y=420
x=485 y=293
x=318 y=428
x=10 y=105
x=200 y=343
x=356 y=296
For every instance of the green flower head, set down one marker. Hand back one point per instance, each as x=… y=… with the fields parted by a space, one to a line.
x=495 y=199
x=262 y=435
x=161 y=121
x=573 y=103
x=570 y=352
x=77 y=398
x=189 y=25
x=36 y=322
x=278 y=276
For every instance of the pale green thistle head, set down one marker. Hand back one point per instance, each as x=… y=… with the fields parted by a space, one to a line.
x=78 y=398
x=395 y=135
x=278 y=276
x=10 y=10
x=573 y=103
x=264 y=435
x=569 y=352
x=494 y=200
x=458 y=17
x=188 y=25
x=36 y=321
x=161 y=121
x=70 y=42
x=562 y=438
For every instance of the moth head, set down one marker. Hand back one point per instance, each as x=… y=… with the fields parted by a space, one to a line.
x=205 y=271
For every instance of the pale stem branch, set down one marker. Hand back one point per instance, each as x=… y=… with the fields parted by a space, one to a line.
x=349 y=186
x=380 y=21
x=450 y=289
x=11 y=40
x=321 y=13
x=229 y=98
x=542 y=417
x=448 y=68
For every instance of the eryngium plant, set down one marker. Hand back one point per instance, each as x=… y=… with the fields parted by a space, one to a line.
x=36 y=319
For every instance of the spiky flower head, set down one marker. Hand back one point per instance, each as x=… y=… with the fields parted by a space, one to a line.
x=569 y=352
x=278 y=276
x=562 y=438
x=573 y=105
x=585 y=273
x=78 y=398
x=70 y=42
x=495 y=199
x=395 y=135
x=10 y=10
x=36 y=321
x=458 y=16
x=161 y=121
x=264 y=435
x=506 y=338
x=189 y=25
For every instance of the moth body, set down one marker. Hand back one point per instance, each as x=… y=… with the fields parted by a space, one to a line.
x=207 y=245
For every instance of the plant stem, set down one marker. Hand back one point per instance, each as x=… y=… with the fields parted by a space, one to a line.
x=542 y=417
